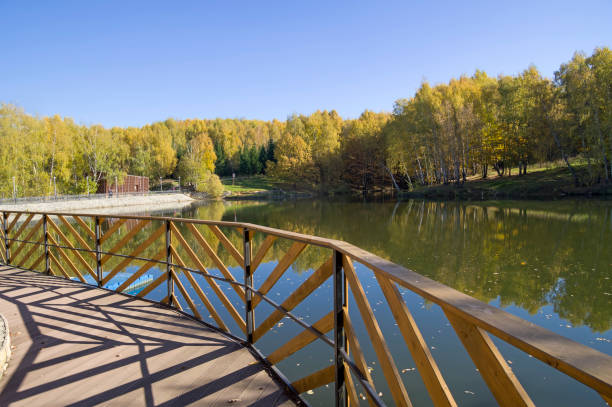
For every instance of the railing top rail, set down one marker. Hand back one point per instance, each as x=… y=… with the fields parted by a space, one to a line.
x=581 y=362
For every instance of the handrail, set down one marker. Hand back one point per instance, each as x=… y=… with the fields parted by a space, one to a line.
x=472 y=319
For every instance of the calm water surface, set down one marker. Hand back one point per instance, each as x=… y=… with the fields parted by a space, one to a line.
x=547 y=262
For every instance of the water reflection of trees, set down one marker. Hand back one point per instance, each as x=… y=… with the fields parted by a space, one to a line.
x=526 y=253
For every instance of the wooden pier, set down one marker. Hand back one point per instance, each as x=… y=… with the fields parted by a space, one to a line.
x=80 y=345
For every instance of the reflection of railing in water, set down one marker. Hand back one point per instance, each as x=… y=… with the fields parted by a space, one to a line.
x=472 y=320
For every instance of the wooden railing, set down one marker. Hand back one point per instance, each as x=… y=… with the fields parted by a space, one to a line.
x=95 y=248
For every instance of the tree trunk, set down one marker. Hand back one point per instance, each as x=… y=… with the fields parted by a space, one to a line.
x=601 y=142
x=421 y=172
x=392 y=178
x=569 y=166
x=409 y=181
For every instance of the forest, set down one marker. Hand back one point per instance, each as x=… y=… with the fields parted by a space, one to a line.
x=445 y=133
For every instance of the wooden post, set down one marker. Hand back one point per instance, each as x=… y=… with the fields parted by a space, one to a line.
x=46 y=240
x=6 y=242
x=169 y=262
x=340 y=297
x=98 y=251
x=248 y=281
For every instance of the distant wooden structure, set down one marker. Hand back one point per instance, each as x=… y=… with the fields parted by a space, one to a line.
x=131 y=184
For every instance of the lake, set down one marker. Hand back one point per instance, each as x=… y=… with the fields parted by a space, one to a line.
x=547 y=262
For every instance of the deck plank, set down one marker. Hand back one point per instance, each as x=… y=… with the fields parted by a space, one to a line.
x=79 y=345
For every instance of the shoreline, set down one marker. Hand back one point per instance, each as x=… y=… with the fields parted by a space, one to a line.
x=99 y=205
x=540 y=184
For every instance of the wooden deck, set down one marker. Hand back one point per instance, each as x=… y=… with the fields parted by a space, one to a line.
x=79 y=345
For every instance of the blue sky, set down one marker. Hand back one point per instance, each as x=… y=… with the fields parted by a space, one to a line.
x=131 y=63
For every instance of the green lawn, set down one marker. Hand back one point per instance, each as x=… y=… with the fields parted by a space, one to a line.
x=248 y=185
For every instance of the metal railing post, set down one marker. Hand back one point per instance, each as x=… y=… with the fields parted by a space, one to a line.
x=169 y=262
x=46 y=240
x=248 y=281
x=340 y=298
x=98 y=251
x=6 y=242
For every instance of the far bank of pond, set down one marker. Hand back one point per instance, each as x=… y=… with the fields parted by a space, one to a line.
x=539 y=183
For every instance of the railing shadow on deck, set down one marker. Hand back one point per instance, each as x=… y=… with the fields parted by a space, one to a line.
x=35 y=241
x=70 y=320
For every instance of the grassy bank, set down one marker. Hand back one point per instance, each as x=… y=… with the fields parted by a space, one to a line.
x=543 y=183
x=263 y=187
x=249 y=185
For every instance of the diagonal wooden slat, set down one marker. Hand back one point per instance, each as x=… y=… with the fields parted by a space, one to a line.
x=317 y=379
x=262 y=251
x=350 y=387
x=125 y=240
x=493 y=368
x=282 y=266
x=2 y=252
x=163 y=277
x=355 y=350
x=23 y=226
x=304 y=290
x=227 y=244
x=396 y=385
x=37 y=262
x=65 y=256
x=427 y=366
x=186 y=296
x=12 y=224
x=135 y=253
x=61 y=234
x=607 y=399
x=302 y=340
x=29 y=253
x=112 y=229
x=211 y=282
x=59 y=266
x=85 y=227
x=211 y=253
x=145 y=267
x=176 y=302
x=27 y=238
x=199 y=292
x=77 y=236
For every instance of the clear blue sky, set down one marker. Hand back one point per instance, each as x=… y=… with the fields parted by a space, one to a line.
x=131 y=62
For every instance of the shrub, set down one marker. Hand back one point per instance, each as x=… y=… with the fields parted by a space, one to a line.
x=210 y=184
